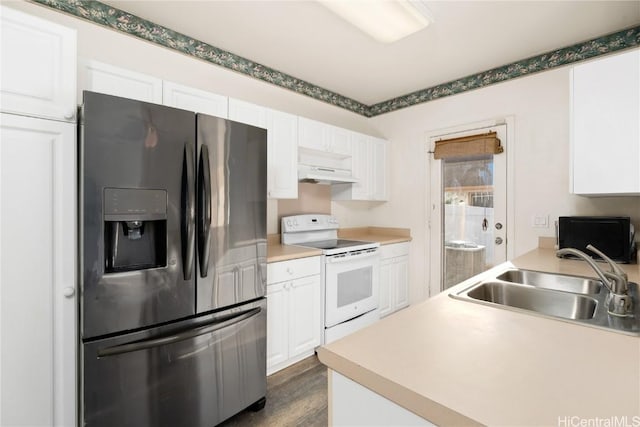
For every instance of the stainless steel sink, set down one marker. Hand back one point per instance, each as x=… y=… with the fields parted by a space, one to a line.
x=565 y=305
x=574 y=299
x=559 y=282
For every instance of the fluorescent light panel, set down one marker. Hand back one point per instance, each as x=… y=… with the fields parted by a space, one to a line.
x=384 y=20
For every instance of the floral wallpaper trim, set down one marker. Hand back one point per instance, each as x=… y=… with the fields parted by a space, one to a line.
x=120 y=20
x=557 y=58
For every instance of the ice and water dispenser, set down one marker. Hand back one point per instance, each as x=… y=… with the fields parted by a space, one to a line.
x=135 y=229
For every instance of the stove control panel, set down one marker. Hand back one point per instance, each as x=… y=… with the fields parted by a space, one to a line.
x=302 y=223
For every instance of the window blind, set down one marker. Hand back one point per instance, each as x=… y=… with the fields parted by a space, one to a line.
x=466 y=146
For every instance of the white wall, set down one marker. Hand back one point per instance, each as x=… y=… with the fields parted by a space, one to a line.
x=540 y=107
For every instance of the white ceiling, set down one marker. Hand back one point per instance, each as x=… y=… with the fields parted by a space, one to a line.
x=307 y=41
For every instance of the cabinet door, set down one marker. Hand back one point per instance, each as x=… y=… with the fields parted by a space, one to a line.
x=38 y=66
x=312 y=134
x=385 y=306
x=605 y=136
x=378 y=169
x=196 y=100
x=339 y=140
x=245 y=112
x=38 y=330
x=304 y=315
x=104 y=78
x=282 y=156
x=401 y=281
x=277 y=324
x=360 y=167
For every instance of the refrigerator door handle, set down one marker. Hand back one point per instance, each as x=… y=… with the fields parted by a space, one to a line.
x=204 y=210
x=188 y=214
x=215 y=325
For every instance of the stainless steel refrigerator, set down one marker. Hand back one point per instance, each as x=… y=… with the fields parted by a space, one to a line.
x=173 y=265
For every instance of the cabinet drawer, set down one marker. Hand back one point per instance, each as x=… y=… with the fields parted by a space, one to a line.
x=289 y=270
x=394 y=250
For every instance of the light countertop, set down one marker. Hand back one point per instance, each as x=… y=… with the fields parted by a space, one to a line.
x=385 y=236
x=455 y=362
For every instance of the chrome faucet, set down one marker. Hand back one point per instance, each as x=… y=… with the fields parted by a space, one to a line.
x=619 y=302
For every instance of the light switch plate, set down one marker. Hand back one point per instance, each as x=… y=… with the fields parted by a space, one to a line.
x=540 y=221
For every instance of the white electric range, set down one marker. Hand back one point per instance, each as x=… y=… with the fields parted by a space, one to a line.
x=350 y=272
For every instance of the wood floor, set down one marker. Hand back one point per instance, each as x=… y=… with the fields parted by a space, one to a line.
x=296 y=396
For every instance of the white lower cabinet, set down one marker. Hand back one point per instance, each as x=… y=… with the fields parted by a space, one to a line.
x=394 y=278
x=353 y=404
x=38 y=326
x=294 y=311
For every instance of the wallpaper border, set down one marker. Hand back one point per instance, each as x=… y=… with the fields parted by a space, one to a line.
x=119 y=20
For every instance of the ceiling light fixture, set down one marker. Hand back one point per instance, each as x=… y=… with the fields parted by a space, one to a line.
x=385 y=20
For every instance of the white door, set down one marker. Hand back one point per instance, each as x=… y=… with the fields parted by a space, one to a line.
x=468 y=212
x=304 y=315
x=277 y=324
x=38 y=329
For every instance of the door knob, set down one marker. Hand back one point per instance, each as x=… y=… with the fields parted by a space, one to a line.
x=68 y=292
x=498 y=240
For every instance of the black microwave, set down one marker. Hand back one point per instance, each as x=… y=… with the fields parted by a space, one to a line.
x=612 y=235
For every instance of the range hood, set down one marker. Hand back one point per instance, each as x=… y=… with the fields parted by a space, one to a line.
x=324 y=175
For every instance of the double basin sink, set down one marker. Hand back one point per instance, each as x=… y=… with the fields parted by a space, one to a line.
x=570 y=298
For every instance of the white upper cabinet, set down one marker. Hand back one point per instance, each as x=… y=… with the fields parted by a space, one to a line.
x=282 y=155
x=360 y=168
x=369 y=166
x=282 y=145
x=378 y=172
x=104 y=78
x=196 y=100
x=38 y=67
x=312 y=134
x=339 y=140
x=605 y=126
x=248 y=113
x=320 y=136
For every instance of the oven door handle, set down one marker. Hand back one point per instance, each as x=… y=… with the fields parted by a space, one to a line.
x=334 y=259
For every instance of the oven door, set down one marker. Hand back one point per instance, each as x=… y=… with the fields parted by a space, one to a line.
x=351 y=283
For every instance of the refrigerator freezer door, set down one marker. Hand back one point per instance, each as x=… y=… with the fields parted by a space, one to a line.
x=194 y=373
x=232 y=220
x=137 y=214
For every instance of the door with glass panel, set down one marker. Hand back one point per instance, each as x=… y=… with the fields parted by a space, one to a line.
x=468 y=204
